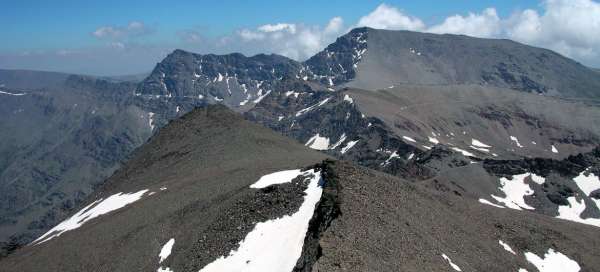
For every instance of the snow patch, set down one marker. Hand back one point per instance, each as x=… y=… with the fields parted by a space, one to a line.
x=587 y=183
x=433 y=140
x=506 y=247
x=95 y=209
x=339 y=142
x=165 y=251
x=477 y=143
x=486 y=202
x=515 y=190
x=554 y=150
x=552 y=261
x=480 y=149
x=261 y=97
x=389 y=159
x=348 y=146
x=453 y=265
x=295 y=94
x=464 y=152
x=409 y=139
x=303 y=111
x=514 y=139
x=572 y=212
x=276 y=178
x=348 y=99
x=274 y=245
x=317 y=142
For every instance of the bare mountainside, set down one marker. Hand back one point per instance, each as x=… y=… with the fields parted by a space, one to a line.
x=404 y=57
x=196 y=196
x=486 y=121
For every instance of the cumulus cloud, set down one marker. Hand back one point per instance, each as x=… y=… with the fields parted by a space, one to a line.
x=388 y=17
x=291 y=28
x=569 y=27
x=486 y=24
x=297 y=41
x=133 y=29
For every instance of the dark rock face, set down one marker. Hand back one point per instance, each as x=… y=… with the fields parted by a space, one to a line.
x=338 y=62
x=234 y=79
x=326 y=211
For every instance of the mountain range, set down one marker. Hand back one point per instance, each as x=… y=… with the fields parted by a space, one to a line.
x=429 y=152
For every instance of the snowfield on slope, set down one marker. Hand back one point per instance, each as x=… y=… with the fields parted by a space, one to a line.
x=515 y=190
x=97 y=208
x=552 y=261
x=274 y=245
x=318 y=142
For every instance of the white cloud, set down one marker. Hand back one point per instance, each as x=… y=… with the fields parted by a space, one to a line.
x=291 y=28
x=335 y=25
x=388 y=17
x=133 y=29
x=296 y=41
x=487 y=24
x=569 y=27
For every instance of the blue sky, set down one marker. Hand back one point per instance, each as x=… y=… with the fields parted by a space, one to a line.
x=124 y=37
x=62 y=24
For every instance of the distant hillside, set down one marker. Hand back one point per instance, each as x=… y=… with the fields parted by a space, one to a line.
x=28 y=79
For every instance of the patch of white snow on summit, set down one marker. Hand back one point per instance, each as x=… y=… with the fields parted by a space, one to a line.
x=339 y=142
x=573 y=211
x=274 y=245
x=477 y=143
x=409 y=139
x=317 y=142
x=487 y=202
x=96 y=209
x=587 y=183
x=480 y=149
x=303 y=111
x=348 y=99
x=392 y=156
x=514 y=139
x=165 y=251
x=464 y=152
x=554 y=150
x=433 y=140
x=515 y=190
x=258 y=99
x=349 y=145
x=506 y=247
x=552 y=261
x=453 y=265
x=276 y=178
